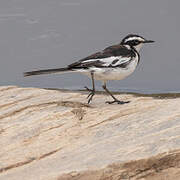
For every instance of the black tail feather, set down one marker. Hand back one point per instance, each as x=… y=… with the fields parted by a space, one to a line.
x=45 y=71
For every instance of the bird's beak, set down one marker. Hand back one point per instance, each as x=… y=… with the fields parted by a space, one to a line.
x=148 y=41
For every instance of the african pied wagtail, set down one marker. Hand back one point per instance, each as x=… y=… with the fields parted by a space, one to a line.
x=113 y=63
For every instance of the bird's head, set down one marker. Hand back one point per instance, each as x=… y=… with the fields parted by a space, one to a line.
x=135 y=41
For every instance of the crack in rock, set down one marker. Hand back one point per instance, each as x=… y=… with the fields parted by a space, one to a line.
x=19 y=164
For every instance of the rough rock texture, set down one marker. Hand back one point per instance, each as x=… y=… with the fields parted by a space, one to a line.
x=46 y=133
x=165 y=166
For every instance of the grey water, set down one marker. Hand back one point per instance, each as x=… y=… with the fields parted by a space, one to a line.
x=41 y=34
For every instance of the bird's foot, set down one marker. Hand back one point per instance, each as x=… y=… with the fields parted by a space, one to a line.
x=117 y=101
x=91 y=94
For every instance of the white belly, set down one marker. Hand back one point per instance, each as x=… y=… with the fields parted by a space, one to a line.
x=117 y=73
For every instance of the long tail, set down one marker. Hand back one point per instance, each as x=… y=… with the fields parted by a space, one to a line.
x=46 y=71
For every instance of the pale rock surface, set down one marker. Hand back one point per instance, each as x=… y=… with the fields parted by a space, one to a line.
x=45 y=133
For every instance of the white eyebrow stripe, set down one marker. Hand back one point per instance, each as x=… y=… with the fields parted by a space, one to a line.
x=134 y=38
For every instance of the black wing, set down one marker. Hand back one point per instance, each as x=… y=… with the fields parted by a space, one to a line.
x=112 y=56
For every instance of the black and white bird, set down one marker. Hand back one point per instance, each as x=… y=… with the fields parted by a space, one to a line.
x=115 y=62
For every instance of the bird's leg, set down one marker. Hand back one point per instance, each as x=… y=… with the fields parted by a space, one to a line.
x=92 y=91
x=115 y=100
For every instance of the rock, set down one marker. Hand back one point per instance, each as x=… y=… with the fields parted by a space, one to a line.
x=165 y=166
x=52 y=134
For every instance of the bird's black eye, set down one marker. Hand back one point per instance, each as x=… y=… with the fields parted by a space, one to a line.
x=133 y=42
x=136 y=42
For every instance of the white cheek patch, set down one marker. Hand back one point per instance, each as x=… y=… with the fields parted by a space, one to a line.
x=138 y=47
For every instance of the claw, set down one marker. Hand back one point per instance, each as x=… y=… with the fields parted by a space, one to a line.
x=90 y=95
x=87 y=88
x=117 y=101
